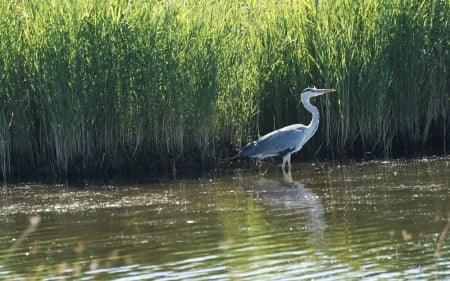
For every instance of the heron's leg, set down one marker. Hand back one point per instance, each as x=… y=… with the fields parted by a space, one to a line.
x=286 y=158
x=287 y=177
x=289 y=163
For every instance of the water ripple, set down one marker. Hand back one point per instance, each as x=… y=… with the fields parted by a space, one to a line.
x=368 y=221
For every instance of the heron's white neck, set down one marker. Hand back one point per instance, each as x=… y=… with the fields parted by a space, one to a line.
x=314 y=111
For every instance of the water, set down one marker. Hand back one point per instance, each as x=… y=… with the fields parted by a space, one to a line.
x=362 y=221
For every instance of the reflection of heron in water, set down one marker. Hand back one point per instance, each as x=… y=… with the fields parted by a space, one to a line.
x=294 y=196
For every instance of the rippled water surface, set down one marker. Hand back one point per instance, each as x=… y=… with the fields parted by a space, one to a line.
x=362 y=221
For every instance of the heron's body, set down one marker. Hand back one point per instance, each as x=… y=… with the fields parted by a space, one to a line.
x=287 y=140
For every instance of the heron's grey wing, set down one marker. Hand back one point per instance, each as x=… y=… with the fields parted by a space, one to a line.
x=276 y=143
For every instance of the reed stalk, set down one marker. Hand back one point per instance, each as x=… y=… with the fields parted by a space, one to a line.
x=154 y=85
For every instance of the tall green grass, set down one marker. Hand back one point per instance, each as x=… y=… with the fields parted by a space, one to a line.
x=159 y=85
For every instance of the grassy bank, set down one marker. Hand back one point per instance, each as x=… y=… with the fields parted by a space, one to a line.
x=119 y=85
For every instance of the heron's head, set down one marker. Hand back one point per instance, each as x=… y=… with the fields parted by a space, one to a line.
x=313 y=92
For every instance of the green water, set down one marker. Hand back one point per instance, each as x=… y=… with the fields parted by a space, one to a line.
x=362 y=221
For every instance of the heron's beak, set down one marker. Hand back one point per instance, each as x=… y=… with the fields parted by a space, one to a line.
x=324 y=91
x=328 y=90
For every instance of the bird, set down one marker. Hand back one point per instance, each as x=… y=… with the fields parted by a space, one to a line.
x=287 y=140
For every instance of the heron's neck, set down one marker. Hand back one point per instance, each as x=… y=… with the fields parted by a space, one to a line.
x=314 y=111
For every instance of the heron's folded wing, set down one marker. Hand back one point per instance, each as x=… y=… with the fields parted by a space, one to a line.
x=277 y=143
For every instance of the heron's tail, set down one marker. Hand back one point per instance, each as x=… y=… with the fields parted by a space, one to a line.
x=248 y=150
x=245 y=152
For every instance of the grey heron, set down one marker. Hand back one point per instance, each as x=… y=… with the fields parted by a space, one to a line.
x=287 y=140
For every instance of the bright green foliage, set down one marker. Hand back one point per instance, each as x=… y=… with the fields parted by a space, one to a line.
x=100 y=84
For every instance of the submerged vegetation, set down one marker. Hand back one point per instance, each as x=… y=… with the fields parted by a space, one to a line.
x=162 y=85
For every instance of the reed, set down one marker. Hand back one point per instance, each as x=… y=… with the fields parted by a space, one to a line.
x=154 y=85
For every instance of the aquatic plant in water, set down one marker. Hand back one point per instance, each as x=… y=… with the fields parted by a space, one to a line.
x=111 y=86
